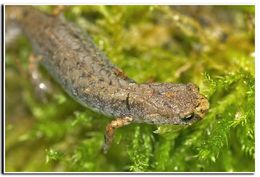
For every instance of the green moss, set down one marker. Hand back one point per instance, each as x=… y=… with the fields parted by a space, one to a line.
x=212 y=46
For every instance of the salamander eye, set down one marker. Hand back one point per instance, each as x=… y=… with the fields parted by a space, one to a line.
x=190 y=116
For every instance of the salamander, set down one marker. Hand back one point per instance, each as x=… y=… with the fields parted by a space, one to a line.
x=86 y=74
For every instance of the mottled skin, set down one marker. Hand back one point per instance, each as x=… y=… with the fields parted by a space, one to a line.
x=86 y=74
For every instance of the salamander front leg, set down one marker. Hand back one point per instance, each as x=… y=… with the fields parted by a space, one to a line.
x=110 y=130
x=58 y=10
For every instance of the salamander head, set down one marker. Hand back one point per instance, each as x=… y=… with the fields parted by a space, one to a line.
x=173 y=104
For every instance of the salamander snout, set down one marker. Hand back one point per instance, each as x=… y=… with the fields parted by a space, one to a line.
x=202 y=107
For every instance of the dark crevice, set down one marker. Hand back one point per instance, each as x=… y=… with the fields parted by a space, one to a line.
x=127 y=102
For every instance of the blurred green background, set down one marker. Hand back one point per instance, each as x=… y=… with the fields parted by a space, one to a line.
x=211 y=46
